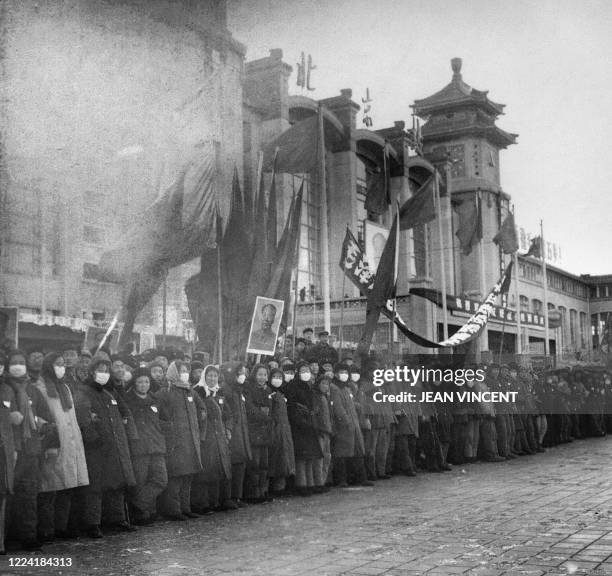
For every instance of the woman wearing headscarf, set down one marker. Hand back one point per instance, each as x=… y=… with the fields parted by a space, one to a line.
x=210 y=486
x=233 y=378
x=64 y=468
x=183 y=418
x=34 y=436
x=148 y=450
x=106 y=450
x=9 y=416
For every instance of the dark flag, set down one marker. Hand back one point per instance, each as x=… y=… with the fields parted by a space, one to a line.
x=378 y=194
x=287 y=253
x=296 y=149
x=419 y=209
x=383 y=289
x=470 y=224
x=507 y=238
x=535 y=248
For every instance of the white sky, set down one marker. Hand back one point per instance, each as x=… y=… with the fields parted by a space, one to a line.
x=549 y=61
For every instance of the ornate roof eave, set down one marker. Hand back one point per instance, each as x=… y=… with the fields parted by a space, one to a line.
x=376 y=141
x=424 y=110
x=456 y=94
x=496 y=135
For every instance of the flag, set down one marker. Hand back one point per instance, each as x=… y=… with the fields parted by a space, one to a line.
x=279 y=286
x=435 y=296
x=172 y=230
x=383 y=289
x=507 y=238
x=470 y=224
x=419 y=209
x=354 y=264
x=297 y=147
x=378 y=181
x=535 y=248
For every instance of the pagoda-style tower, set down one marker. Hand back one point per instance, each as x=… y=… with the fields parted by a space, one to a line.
x=460 y=128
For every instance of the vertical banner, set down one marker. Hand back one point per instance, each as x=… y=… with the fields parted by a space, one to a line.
x=9 y=328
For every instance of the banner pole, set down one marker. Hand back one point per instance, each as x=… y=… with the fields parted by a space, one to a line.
x=324 y=226
x=545 y=286
x=442 y=265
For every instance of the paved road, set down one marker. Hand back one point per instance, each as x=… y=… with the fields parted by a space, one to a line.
x=545 y=514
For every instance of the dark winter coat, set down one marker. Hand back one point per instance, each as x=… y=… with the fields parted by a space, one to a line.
x=183 y=419
x=145 y=412
x=104 y=437
x=260 y=423
x=235 y=405
x=300 y=409
x=7 y=442
x=348 y=440
x=45 y=435
x=322 y=414
x=216 y=459
x=282 y=450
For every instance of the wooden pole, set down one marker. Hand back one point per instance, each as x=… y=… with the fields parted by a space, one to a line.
x=545 y=286
x=220 y=304
x=324 y=227
x=441 y=250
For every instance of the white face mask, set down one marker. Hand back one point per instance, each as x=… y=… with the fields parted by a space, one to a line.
x=240 y=379
x=355 y=377
x=60 y=371
x=184 y=376
x=102 y=377
x=127 y=376
x=276 y=382
x=343 y=377
x=305 y=377
x=17 y=370
x=288 y=377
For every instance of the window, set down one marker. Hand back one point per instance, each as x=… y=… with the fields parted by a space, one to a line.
x=537 y=306
x=583 y=329
x=524 y=303
x=309 y=263
x=573 y=318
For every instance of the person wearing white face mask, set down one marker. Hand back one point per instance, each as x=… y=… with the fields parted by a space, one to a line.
x=64 y=468
x=184 y=419
x=210 y=486
x=148 y=450
x=36 y=426
x=282 y=458
x=109 y=464
x=348 y=440
x=300 y=408
x=234 y=375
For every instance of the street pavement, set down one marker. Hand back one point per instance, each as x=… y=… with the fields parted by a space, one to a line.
x=547 y=514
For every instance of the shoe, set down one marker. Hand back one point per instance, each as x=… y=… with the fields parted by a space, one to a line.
x=201 y=511
x=342 y=485
x=94 y=532
x=540 y=449
x=372 y=478
x=410 y=473
x=32 y=545
x=66 y=534
x=190 y=514
x=366 y=483
x=384 y=477
x=303 y=491
x=176 y=517
x=268 y=498
x=229 y=505
x=122 y=527
x=496 y=459
x=241 y=504
x=144 y=521
x=46 y=538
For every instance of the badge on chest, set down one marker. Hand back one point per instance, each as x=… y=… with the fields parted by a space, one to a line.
x=190 y=398
x=154 y=408
x=113 y=402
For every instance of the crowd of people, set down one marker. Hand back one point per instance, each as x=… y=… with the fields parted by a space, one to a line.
x=94 y=442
